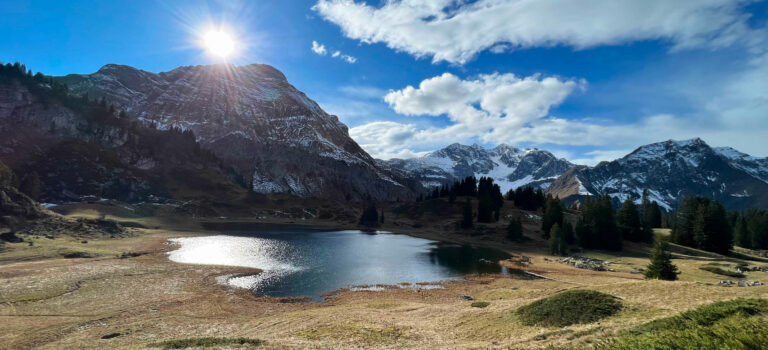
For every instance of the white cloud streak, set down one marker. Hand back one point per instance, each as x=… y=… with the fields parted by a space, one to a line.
x=318 y=48
x=456 y=31
x=321 y=50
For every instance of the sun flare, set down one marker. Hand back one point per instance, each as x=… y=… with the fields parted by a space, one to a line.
x=219 y=43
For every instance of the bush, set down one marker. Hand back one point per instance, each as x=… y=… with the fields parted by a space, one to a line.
x=707 y=315
x=481 y=304
x=735 y=324
x=206 y=342
x=719 y=271
x=567 y=308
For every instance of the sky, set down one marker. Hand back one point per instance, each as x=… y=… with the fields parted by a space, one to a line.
x=588 y=80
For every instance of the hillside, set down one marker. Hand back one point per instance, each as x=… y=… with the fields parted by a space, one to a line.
x=253 y=119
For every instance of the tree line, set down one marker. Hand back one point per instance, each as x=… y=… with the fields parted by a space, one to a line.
x=599 y=225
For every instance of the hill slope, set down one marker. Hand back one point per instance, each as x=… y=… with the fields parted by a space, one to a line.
x=253 y=119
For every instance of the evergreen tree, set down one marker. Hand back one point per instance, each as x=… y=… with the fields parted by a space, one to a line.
x=651 y=212
x=742 y=236
x=628 y=220
x=682 y=231
x=381 y=216
x=661 y=266
x=583 y=234
x=370 y=216
x=568 y=233
x=553 y=215
x=484 y=210
x=557 y=243
x=515 y=230
x=466 y=221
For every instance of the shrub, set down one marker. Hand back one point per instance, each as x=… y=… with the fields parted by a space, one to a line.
x=481 y=304
x=567 y=308
x=707 y=315
x=206 y=342
x=719 y=271
x=735 y=324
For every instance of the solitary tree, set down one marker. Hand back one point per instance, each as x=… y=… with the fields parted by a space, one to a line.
x=661 y=266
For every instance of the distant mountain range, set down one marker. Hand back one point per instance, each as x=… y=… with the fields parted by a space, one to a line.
x=509 y=167
x=671 y=170
x=255 y=130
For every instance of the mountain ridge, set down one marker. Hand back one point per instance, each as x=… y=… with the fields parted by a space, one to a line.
x=510 y=167
x=254 y=119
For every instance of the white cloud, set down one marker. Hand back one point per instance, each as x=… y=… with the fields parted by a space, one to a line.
x=348 y=58
x=456 y=30
x=321 y=50
x=318 y=48
x=489 y=106
x=504 y=108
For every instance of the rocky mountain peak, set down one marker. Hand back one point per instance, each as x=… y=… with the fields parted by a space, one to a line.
x=671 y=170
x=255 y=120
x=510 y=167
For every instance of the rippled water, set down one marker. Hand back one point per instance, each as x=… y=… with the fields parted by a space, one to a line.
x=300 y=262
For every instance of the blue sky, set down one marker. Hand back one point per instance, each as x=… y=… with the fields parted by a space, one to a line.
x=588 y=82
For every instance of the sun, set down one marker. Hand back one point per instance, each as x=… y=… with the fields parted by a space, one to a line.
x=219 y=43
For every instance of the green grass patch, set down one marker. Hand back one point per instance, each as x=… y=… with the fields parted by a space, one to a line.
x=720 y=271
x=206 y=342
x=481 y=304
x=567 y=308
x=735 y=324
x=707 y=315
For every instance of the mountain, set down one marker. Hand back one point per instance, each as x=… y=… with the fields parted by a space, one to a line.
x=253 y=119
x=671 y=170
x=78 y=148
x=509 y=167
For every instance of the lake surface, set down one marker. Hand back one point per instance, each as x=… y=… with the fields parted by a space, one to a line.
x=305 y=262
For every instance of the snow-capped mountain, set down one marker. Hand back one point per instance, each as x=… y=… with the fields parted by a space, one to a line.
x=671 y=170
x=257 y=122
x=510 y=167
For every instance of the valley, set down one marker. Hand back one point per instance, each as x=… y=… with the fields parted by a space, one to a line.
x=127 y=294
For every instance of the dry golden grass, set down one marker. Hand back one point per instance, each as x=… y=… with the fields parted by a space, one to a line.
x=48 y=302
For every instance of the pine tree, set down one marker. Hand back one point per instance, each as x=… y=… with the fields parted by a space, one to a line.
x=553 y=214
x=741 y=233
x=484 y=210
x=370 y=216
x=557 y=243
x=629 y=221
x=568 y=233
x=661 y=266
x=466 y=221
x=515 y=230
